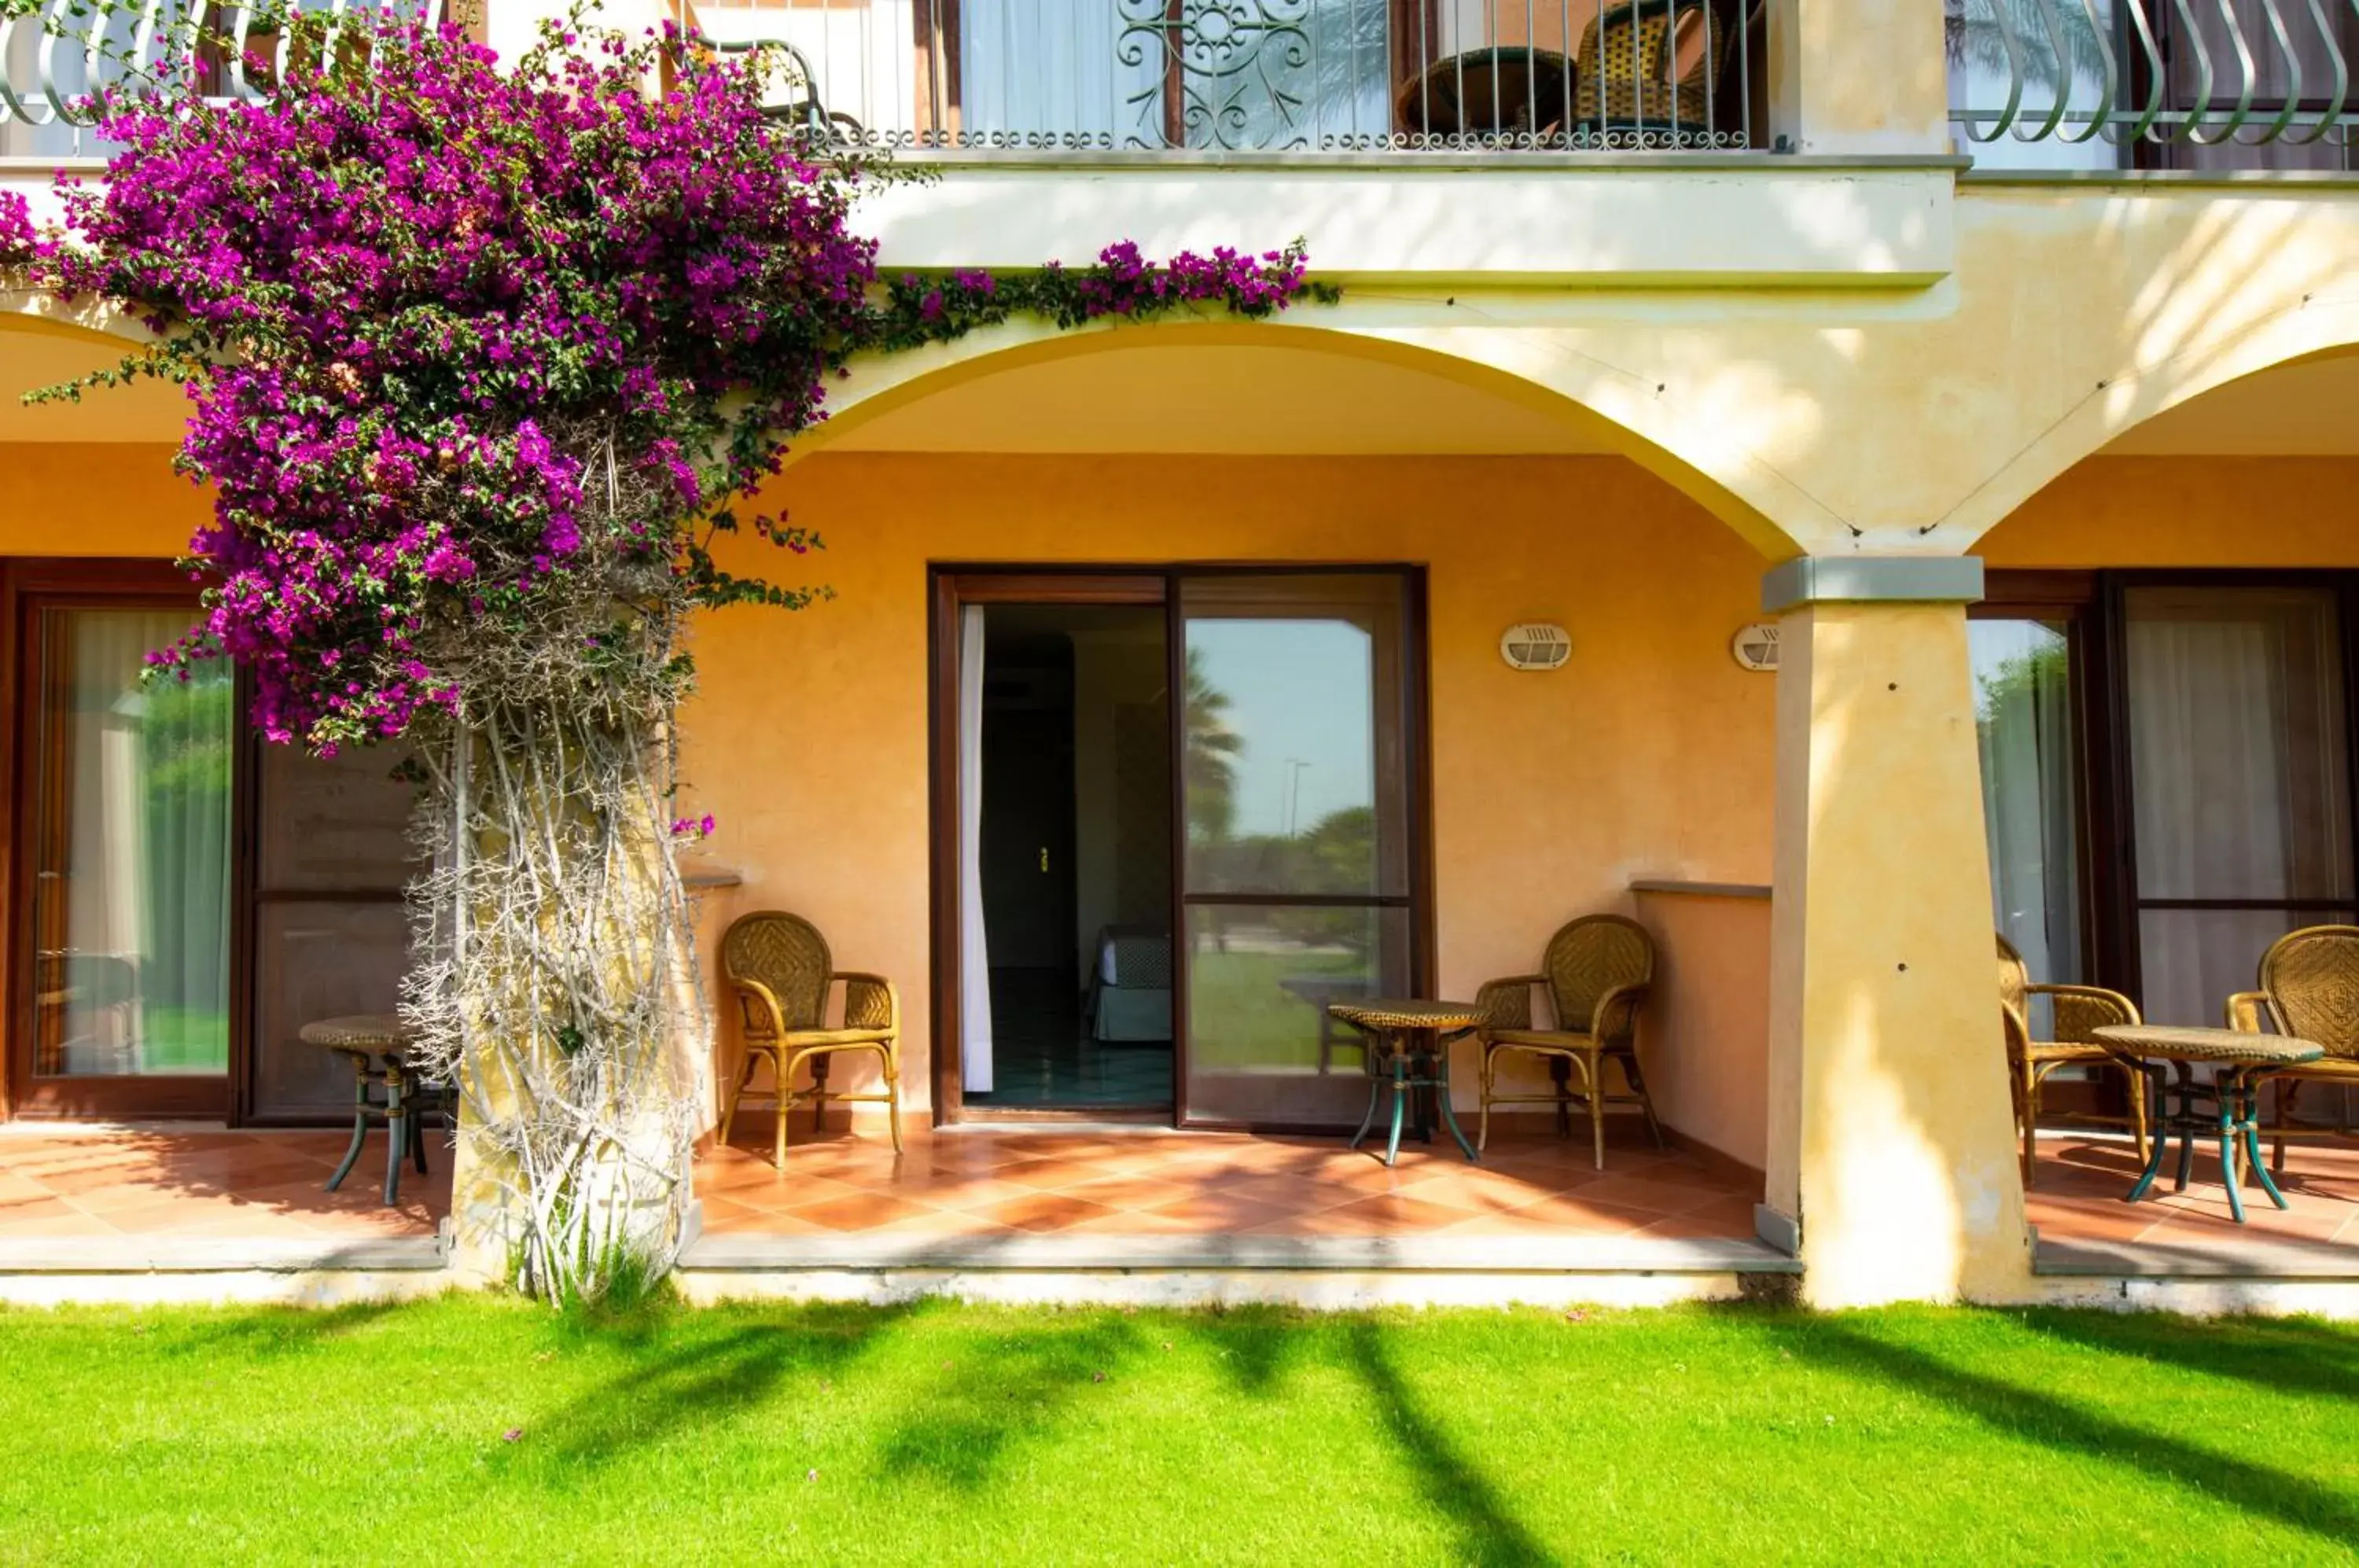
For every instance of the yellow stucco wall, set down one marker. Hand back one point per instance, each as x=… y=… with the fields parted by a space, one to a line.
x=2206 y=511
x=1704 y=1039
x=1648 y=754
x=76 y=499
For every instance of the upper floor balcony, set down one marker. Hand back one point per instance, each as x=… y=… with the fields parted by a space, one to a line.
x=2197 y=85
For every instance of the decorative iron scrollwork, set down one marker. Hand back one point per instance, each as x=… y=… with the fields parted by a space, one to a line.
x=1243 y=70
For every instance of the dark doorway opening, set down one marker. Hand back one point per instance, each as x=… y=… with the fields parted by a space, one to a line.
x=1075 y=858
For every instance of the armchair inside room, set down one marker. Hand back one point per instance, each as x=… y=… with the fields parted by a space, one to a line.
x=2310 y=990
x=2078 y=1011
x=778 y=968
x=1596 y=972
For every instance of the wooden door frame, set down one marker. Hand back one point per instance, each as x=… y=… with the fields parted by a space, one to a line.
x=952 y=585
x=28 y=585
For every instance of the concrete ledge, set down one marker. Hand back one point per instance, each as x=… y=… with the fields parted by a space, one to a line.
x=1871 y=580
x=2236 y=1259
x=1429 y=1254
x=219 y=1255
x=1761 y=222
x=1673 y=886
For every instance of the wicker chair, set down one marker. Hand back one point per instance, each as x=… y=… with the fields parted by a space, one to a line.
x=2309 y=989
x=778 y=968
x=2079 y=1010
x=1627 y=56
x=1596 y=972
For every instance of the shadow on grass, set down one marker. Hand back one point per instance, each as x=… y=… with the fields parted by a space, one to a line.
x=2029 y=1415
x=971 y=1417
x=683 y=1370
x=2285 y=1356
x=279 y=1330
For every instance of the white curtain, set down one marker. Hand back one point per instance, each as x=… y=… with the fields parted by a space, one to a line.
x=2235 y=759
x=975 y=957
x=140 y=909
x=2023 y=722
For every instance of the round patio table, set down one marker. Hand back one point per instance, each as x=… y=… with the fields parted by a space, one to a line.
x=2164 y=1052
x=377 y=1045
x=1407 y=1052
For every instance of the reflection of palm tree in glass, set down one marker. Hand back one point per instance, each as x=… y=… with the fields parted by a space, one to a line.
x=1977 y=32
x=1213 y=749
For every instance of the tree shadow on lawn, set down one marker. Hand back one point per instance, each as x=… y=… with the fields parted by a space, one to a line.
x=2029 y=1415
x=278 y=1331
x=685 y=1368
x=2287 y=1356
x=960 y=1429
x=1257 y=1348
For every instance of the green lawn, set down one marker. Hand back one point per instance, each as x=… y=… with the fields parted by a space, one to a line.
x=467 y=1430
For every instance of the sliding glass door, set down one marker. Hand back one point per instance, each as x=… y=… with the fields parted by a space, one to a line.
x=126 y=858
x=2239 y=786
x=1297 y=871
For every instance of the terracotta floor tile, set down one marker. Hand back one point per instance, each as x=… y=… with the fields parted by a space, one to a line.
x=723 y=1217
x=1214 y=1213
x=946 y=1222
x=1134 y=1221
x=1388 y=1215
x=856 y=1210
x=1053 y=1175
x=1731 y=1218
x=54 y=1227
x=1132 y=1192
x=32 y=1211
x=1641 y=1192
x=1577 y=1213
x=1043 y=1212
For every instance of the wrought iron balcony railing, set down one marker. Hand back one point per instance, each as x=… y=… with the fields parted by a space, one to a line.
x=1215 y=77
x=59 y=52
x=1206 y=77
x=2155 y=83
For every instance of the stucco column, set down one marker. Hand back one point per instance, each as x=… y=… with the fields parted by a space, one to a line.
x=1858 y=76
x=1891 y=1138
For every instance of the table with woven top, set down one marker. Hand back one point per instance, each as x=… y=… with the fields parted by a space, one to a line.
x=1408 y=1053
x=2168 y=1055
x=377 y=1046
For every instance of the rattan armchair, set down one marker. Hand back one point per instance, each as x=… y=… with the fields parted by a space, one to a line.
x=1629 y=54
x=777 y=966
x=2309 y=989
x=2080 y=1011
x=1596 y=972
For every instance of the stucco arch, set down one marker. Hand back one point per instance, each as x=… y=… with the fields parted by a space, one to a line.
x=1514 y=363
x=2310 y=327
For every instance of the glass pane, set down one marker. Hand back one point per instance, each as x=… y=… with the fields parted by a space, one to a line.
x=339 y=824
x=131 y=904
x=2023 y=721
x=2236 y=744
x=1297 y=778
x=1261 y=1047
x=313 y=960
x=1295 y=775
x=2194 y=959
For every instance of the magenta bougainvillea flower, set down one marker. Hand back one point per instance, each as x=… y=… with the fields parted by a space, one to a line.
x=456 y=336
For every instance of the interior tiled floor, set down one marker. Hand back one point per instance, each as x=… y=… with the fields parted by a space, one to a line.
x=983 y=1183
x=2077 y=1190
x=125 y=1182
x=1044 y=1055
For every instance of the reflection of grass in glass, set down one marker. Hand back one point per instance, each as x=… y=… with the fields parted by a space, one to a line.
x=1239 y=1014
x=184 y=1039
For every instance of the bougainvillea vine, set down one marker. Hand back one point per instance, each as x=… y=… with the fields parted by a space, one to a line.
x=484 y=363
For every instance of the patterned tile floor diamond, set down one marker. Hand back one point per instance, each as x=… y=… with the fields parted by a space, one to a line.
x=990 y=1183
